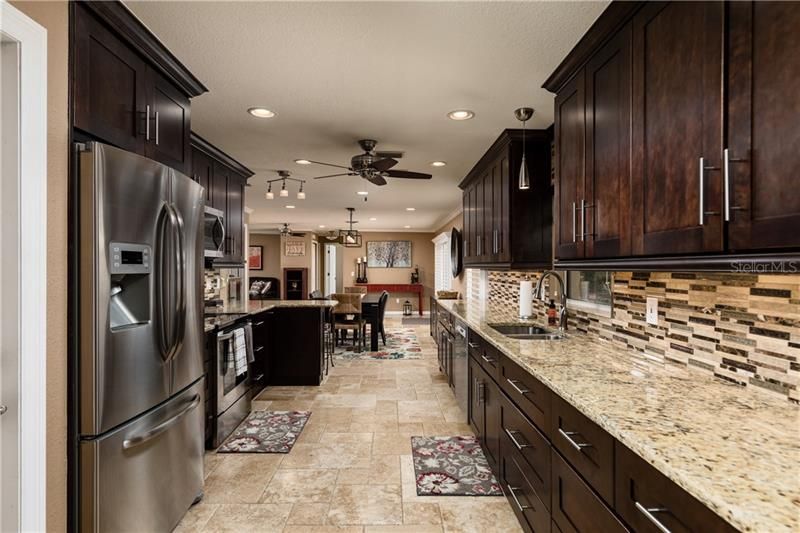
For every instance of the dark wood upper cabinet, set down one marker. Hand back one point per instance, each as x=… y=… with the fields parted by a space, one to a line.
x=763 y=133
x=677 y=128
x=170 y=118
x=505 y=226
x=203 y=172
x=675 y=131
x=128 y=90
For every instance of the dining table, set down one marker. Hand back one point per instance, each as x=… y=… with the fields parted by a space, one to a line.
x=370 y=311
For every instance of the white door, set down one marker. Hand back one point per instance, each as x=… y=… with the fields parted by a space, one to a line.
x=314 y=281
x=330 y=269
x=23 y=149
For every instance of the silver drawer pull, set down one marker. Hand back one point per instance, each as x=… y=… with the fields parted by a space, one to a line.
x=521 y=507
x=577 y=445
x=648 y=513
x=513 y=383
x=488 y=359
x=474 y=345
x=510 y=433
x=260 y=323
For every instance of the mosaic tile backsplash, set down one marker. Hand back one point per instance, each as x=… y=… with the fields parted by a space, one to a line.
x=743 y=328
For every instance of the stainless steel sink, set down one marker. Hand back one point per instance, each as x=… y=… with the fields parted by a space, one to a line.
x=521 y=331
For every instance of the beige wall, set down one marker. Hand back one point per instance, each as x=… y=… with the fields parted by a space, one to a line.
x=271 y=255
x=459 y=283
x=53 y=16
x=421 y=255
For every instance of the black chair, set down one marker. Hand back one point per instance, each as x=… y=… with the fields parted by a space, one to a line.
x=382 y=312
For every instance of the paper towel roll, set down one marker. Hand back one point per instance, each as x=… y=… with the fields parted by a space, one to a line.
x=525 y=298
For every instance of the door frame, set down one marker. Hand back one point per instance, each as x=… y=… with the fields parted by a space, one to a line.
x=32 y=254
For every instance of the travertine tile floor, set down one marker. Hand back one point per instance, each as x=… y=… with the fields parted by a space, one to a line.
x=351 y=468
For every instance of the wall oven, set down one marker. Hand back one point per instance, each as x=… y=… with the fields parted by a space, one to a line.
x=214 y=233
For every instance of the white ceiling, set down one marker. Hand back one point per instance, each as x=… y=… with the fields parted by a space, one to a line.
x=336 y=72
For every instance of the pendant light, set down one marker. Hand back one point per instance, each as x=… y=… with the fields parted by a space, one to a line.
x=350 y=238
x=524 y=114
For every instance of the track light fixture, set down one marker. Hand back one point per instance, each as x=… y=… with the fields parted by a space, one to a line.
x=284 y=192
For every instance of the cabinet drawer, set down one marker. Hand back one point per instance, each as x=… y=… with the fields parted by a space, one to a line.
x=515 y=472
x=575 y=507
x=487 y=355
x=585 y=445
x=645 y=499
x=519 y=435
x=530 y=394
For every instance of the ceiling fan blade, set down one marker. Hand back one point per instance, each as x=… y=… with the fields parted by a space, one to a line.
x=407 y=174
x=376 y=180
x=384 y=164
x=334 y=175
x=328 y=164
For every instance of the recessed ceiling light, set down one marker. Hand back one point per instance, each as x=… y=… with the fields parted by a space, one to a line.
x=289 y=207
x=411 y=208
x=261 y=112
x=362 y=193
x=438 y=163
x=302 y=161
x=461 y=114
x=322 y=225
x=407 y=227
x=373 y=219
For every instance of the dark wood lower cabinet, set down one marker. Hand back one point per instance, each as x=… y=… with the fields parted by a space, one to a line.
x=532 y=513
x=296 y=350
x=576 y=508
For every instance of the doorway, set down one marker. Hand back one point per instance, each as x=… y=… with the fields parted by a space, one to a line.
x=330 y=269
x=23 y=153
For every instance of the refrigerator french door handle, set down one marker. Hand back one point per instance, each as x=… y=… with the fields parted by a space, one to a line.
x=180 y=275
x=164 y=343
x=160 y=428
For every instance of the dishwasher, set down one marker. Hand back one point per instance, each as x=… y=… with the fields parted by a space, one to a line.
x=459 y=366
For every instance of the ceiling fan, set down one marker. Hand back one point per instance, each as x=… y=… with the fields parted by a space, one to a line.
x=373 y=166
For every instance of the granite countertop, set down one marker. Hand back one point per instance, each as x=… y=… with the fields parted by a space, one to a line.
x=735 y=450
x=229 y=313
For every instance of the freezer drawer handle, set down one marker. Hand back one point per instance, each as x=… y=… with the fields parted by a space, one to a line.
x=160 y=428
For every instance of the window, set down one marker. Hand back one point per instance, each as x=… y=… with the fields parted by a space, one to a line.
x=442 y=267
x=589 y=290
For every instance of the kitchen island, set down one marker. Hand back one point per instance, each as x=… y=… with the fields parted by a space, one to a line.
x=735 y=450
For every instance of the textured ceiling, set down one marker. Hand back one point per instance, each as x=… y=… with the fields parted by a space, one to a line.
x=337 y=72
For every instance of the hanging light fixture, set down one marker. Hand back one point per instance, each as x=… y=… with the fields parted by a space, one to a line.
x=284 y=192
x=350 y=238
x=524 y=114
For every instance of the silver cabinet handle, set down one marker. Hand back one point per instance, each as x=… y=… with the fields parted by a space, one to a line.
x=519 y=446
x=3 y=410
x=494 y=241
x=574 y=231
x=481 y=392
x=156 y=128
x=577 y=445
x=147 y=123
x=513 y=383
x=648 y=513
x=702 y=190
x=259 y=323
x=162 y=427
x=489 y=360
x=583 y=219
x=478 y=242
x=474 y=345
x=521 y=507
x=726 y=176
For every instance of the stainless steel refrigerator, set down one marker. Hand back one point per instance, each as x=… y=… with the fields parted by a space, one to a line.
x=140 y=361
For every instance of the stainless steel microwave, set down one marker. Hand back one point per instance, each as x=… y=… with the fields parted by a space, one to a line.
x=214 y=239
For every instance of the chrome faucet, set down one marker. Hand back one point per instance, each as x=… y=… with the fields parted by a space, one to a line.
x=539 y=290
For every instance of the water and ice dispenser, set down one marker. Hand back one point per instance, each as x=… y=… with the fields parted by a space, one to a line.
x=129 y=303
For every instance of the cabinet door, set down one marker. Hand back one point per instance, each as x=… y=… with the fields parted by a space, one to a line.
x=468 y=239
x=234 y=218
x=608 y=144
x=109 y=92
x=169 y=139
x=482 y=221
x=500 y=209
x=570 y=133
x=491 y=401
x=476 y=392
x=763 y=134
x=202 y=172
x=677 y=128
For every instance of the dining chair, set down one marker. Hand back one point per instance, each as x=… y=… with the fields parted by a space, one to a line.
x=347 y=316
x=355 y=290
x=382 y=313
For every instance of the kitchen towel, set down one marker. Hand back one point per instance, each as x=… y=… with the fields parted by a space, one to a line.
x=240 y=351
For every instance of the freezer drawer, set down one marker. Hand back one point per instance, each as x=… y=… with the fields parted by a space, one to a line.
x=145 y=475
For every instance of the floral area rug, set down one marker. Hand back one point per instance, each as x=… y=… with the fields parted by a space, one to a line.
x=401 y=343
x=266 y=432
x=452 y=466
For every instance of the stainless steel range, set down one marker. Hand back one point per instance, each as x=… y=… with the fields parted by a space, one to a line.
x=140 y=363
